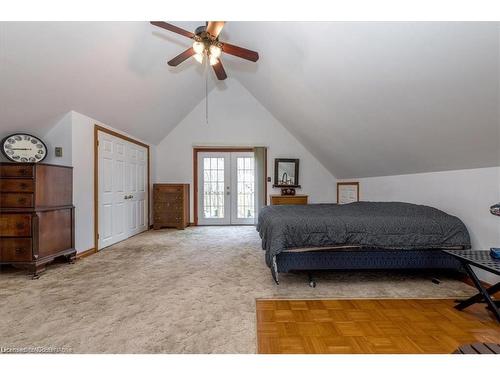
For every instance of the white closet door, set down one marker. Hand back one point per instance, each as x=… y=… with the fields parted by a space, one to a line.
x=123 y=204
x=137 y=194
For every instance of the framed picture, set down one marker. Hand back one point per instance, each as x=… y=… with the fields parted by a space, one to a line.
x=347 y=192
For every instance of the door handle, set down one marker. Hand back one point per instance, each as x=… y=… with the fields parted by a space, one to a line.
x=128 y=196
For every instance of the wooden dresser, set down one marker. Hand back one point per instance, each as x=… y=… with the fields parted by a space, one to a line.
x=170 y=205
x=36 y=215
x=288 y=199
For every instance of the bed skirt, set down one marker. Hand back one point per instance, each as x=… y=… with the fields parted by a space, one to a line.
x=363 y=259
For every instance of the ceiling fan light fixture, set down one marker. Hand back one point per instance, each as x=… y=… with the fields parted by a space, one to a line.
x=215 y=51
x=213 y=60
x=198 y=47
x=199 y=57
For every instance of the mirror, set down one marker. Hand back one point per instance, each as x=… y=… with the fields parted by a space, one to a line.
x=286 y=173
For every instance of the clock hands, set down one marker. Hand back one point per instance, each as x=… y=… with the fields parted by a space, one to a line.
x=22 y=149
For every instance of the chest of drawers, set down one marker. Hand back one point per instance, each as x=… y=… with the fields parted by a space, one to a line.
x=170 y=205
x=36 y=215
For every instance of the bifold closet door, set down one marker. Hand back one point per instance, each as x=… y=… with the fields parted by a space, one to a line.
x=122 y=187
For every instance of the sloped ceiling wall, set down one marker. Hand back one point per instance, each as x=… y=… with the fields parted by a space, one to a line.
x=373 y=99
x=366 y=99
x=112 y=71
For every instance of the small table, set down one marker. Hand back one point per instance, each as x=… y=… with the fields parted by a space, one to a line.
x=483 y=260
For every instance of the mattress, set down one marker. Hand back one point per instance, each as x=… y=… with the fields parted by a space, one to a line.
x=378 y=225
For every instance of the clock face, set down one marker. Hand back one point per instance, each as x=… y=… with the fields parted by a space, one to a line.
x=24 y=148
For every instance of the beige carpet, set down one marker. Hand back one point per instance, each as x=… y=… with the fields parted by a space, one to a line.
x=171 y=291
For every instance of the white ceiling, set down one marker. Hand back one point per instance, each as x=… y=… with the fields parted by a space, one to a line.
x=366 y=99
x=112 y=71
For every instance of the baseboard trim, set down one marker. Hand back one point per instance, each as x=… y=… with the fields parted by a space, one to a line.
x=85 y=253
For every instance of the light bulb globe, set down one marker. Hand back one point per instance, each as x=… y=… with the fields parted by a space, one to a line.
x=199 y=57
x=215 y=51
x=198 y=47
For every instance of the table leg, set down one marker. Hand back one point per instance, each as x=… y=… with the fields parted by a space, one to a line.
x=482 y=291
x=478 y=297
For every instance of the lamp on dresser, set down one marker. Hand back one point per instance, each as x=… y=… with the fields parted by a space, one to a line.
x=36 y=215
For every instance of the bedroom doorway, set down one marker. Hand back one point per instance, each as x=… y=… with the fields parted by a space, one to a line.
x=226 y=188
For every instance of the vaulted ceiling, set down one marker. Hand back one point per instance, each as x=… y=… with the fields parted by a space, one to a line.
x=366 y=99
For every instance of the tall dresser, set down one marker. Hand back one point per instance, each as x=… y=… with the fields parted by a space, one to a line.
x=36 y=215
x=170 y=205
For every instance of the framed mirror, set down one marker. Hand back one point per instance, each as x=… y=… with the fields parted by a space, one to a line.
x=286 y=173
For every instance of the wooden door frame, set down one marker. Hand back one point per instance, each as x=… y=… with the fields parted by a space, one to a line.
x=97 y=129
x=196 y=150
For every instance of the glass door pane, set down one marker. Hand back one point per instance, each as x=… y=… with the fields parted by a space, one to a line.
x=213 y=169
x=213 y=191
x=243 y=182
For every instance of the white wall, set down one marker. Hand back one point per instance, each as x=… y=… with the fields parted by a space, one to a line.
x=83 y=179
x=467 y=194
x=236 y=118
x=60 y=136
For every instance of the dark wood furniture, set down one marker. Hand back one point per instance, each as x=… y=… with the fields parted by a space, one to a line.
x=288 y=199
x=478 y=348
x=36 y=215
x=170 y=205
x=483 y=260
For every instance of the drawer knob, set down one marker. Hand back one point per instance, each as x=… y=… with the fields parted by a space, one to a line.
x=20 y=226
x=23 y=185
x=19 y=251
x=23 y=171
x=22 y=200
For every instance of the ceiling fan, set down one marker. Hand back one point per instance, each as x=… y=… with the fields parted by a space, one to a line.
x=206 y=45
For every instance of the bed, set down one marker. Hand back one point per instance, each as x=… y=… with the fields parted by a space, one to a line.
x=360 y=235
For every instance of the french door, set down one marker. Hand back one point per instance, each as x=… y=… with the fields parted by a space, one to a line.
x=123 y=198
x=226 y=188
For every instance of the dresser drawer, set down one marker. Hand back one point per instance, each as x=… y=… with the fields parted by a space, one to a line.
x=168 y=206
x=16 y=200
x=169 y=198
x=8 y=185
x=15 y=225
x=16 y=170
x=168 y=189
x=15 y=249
x=168 y=218
x=288 y=199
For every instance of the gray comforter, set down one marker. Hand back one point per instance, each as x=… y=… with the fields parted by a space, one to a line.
x=387 y=225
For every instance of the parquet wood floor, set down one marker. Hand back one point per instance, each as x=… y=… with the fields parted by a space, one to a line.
x=386 y=326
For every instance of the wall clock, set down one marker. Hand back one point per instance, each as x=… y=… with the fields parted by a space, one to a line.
x=23 y=148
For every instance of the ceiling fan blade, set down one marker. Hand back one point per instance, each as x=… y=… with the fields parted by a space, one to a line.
x=240 y=52
x=170 y=27
x=215 y=27
x=182 y=57
x=219 y=70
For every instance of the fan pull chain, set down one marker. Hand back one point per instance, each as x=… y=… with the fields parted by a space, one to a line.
x=206 y=94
